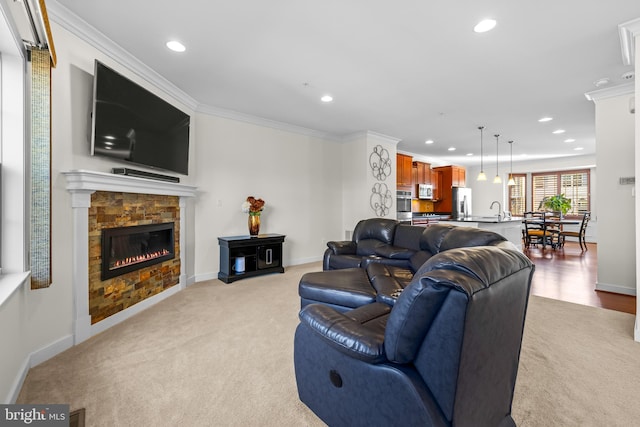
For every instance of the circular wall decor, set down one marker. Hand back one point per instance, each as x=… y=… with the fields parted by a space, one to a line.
x=380 y=163
x=380 y=199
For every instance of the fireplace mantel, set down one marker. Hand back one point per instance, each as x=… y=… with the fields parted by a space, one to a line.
x=81 y=184
x=83 y=180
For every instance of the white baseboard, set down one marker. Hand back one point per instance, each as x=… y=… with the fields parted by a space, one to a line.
x=211 y=275
x=53 y=349
x=615 y=288
x=17 y=383
x=34 y=359
x=205 y=276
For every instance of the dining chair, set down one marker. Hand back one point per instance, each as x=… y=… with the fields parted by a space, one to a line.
x=554 y=228
x=580 y=234
x=533 y=228
x=538 y=231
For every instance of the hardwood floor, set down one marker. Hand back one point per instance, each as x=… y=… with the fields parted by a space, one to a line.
x=570 y=275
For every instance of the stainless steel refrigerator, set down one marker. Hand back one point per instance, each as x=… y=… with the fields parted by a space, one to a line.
x=460 y=202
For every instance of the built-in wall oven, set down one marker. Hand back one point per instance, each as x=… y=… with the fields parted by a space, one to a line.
x=403 y=206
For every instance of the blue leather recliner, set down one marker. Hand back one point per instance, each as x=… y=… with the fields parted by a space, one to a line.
x=444 y=354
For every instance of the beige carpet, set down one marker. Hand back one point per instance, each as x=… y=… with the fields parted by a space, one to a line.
x=222 y=355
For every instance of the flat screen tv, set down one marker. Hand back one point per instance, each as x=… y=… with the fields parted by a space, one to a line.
x=133 y=125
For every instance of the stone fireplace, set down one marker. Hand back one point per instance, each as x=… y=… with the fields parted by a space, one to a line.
x=124 y=229
x=134 y=214
x=134 y=247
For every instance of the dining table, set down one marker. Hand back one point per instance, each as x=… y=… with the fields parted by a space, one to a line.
x=551 y=221
x=555 y=221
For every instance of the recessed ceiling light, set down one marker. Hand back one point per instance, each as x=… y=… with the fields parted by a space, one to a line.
x=558 y=131
x=429 y=141
x=570 y=140
x=469 y=154
x=176 y=46
x=579 y=148
x=326 y=98
x=601 y=82
x=485 y=25
x=451 y=149
x=545 y=119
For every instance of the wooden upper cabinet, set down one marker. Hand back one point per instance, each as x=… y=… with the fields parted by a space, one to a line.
x=423 y=173
x=448 y=176
x=404 y=170
x=458 y=176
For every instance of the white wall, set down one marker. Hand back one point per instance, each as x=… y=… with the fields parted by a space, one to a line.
x=298 y=176
x=358 y=179
x=40 y=321
x=616 y=218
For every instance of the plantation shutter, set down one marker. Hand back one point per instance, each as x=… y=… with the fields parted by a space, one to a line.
x=575 y=186
x=517 y=194
x=544 y=185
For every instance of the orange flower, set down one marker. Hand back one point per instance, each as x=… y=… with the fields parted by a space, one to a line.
x=252 y=205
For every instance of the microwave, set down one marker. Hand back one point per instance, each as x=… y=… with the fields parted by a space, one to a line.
x=425 y=191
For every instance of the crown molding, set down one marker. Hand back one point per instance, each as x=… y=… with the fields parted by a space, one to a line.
x=260 y=121
x=610 y=92
x=382 y=137
x=628 y=31
x=72 y=23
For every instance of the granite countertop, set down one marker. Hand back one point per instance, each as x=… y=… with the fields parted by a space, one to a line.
x=486 y=219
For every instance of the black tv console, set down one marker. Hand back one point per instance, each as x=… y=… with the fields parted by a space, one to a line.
x=143 y=174
x=262 y=254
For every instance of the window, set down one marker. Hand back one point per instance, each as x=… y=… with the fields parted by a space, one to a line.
x=575 y=185
x=12 y=148
x=517 y=195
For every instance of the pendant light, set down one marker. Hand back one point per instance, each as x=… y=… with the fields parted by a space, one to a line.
x=511 y=180
x=497 y=179
x=481 y=175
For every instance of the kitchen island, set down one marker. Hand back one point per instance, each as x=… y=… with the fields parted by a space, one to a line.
x=510 y=228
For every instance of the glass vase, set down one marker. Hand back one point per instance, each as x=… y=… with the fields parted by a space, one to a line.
x=254 y=224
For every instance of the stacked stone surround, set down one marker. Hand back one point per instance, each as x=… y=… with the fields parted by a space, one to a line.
x=118 y=209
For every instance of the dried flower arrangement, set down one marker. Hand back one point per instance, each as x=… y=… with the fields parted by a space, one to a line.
x=253 y=206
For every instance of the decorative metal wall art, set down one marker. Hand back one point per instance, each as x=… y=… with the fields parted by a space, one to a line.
x=380 y=199
x=380 y=163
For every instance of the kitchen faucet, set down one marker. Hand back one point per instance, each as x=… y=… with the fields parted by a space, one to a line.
x=500 y=213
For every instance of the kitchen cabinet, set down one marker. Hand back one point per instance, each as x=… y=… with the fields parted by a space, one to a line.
x=423 y=173
x=404 y=169
x=448 y=176
x=458 y=176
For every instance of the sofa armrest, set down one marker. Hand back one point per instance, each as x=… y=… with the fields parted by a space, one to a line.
x=345 y=247
x=394 y=252
x=358 y=333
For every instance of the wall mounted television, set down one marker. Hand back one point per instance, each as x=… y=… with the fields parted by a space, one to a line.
x=133 y=125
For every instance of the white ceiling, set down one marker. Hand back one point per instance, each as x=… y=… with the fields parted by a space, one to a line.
x=413 y=70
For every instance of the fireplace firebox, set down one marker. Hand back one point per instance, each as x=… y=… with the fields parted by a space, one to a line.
x=126 y=249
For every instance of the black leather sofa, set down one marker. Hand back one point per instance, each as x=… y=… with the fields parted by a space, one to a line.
x=442 y=352
x=381 y=260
